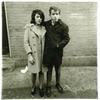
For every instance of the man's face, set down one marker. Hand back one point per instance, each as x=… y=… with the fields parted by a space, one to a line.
x=54 y=15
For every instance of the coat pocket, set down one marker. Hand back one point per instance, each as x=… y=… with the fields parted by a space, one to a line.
x=33 y=68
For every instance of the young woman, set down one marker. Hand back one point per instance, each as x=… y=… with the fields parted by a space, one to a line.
x=34 y=38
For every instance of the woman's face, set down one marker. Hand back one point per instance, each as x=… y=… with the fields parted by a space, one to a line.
x=38 y=19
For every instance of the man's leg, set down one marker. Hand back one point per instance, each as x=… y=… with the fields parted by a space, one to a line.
x=49 y=75
x=58 y=75
x=33 y=91
x=49 y=78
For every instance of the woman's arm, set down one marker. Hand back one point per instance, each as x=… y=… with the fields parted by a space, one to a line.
x=26 y=41
x=27 y=46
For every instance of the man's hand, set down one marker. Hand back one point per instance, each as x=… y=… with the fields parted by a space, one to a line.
x=31 y=59
x=57 y=45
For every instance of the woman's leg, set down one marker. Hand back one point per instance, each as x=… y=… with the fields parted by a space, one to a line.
x=33 y=91
x=33 y=80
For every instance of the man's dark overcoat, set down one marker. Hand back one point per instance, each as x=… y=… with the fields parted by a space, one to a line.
x=55 y=40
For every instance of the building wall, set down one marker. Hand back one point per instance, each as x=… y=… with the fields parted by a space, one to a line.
x=79 y=16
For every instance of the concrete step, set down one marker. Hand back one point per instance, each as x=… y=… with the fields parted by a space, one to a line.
x=8 y=63
x=79 y=61
x=67 y=61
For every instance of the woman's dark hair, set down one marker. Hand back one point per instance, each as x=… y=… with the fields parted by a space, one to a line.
x=37 y=11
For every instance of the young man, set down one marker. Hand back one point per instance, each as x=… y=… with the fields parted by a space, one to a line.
x=56 y=38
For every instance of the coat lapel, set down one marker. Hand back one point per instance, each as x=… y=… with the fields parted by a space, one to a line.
x=43 y=31
x=35 y=30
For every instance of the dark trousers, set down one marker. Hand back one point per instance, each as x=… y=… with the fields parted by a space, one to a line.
x=49 y=74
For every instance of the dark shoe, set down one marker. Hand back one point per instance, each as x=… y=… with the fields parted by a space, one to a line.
x=41 y=92
x=59 y=88
x=48 y=91
x=33 y=91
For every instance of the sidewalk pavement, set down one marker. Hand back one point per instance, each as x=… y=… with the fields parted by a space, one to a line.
x=78 y=82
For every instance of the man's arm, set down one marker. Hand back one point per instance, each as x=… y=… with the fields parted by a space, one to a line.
x=65 y=37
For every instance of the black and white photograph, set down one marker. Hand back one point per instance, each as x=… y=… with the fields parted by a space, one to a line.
x=49 y=50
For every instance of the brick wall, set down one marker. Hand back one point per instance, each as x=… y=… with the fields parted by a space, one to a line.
x=79 y=16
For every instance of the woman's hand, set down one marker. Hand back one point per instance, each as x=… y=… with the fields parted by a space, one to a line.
x=31 y=59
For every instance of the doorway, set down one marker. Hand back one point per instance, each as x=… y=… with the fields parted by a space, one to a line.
x=5 y=43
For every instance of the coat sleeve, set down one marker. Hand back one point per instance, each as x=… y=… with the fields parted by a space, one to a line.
x=26 y=41
x=65 y=37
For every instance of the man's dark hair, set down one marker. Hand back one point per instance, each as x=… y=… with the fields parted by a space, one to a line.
x=55 y=9
x=34 y=12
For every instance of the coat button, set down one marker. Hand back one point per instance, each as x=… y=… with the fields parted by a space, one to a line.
x=33 y=37
x=48 y=39
x=34 y=51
